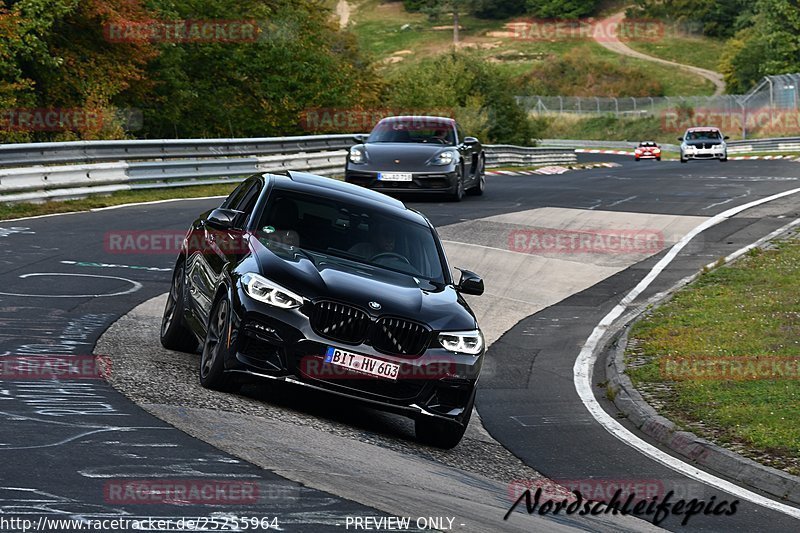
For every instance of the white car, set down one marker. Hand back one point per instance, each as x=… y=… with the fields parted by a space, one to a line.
x=703 y=143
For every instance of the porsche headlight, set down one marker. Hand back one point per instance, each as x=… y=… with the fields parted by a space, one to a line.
x=444 y=158
x=357 y=155
x=261 y=289
x=468 y=342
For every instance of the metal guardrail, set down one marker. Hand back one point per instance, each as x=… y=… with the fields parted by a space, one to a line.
x=103 y=167
x=779 y=144
x=27 y=154
x=786 y=144
x=616 y=145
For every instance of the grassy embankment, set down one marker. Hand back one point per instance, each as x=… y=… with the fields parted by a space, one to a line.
x=746 y=310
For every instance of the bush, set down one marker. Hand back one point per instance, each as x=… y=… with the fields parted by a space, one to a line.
x=475 y=90
x=568 y=75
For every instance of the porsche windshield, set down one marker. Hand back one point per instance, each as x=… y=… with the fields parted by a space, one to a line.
x=413 y=131
x=350 y=232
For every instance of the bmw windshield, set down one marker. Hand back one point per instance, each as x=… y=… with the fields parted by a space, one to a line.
x=700 y=135
x=324 y=227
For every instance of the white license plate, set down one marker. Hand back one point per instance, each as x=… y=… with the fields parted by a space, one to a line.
x=362 y=363
x=394 y=176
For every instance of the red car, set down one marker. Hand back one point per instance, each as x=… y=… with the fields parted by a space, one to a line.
x=647 y=150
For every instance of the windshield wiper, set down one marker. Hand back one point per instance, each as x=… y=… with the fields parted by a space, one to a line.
x=305 y=254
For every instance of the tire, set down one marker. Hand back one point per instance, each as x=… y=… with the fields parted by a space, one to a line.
x=443 y=433
x=684 y=160
x=723 y=160
x=212 y=360
x=458 y=194
x=658 y=159
x=479 y=189
x=636 y=159
x=175 y=334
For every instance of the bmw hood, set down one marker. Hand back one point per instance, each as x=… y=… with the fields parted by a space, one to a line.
x=402 y=156
x=376 y=290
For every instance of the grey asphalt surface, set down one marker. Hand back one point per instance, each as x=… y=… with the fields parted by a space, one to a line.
x=90 y=434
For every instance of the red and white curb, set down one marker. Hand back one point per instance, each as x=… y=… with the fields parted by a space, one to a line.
x=741 y=157
x=549 y=170
x=732 y=158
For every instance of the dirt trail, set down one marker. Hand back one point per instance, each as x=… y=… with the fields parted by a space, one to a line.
x=343 y=12
x=610 y=41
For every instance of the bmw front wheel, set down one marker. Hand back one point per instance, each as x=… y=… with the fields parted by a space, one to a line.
x=215 y=349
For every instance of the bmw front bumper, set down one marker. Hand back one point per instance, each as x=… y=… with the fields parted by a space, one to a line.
x=280 y=344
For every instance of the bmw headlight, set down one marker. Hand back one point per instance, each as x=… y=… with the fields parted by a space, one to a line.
x=357 y=155
x=261 y=289
x=468 y=342
x=444 y=158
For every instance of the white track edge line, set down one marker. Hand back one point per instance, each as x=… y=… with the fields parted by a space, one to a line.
x=584 y=365
x=133 y=204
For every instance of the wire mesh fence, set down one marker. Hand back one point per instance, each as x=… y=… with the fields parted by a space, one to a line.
x=771 y=108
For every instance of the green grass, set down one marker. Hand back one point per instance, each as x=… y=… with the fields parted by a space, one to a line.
x=607 y=128
x=675 y=81
x=378 y=29
x=745 y=310
x=24 y=209
x=699 y=52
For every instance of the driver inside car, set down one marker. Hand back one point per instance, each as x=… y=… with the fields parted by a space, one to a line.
x=382 y=241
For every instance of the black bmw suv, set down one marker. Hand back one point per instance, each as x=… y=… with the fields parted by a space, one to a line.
x=332 y=286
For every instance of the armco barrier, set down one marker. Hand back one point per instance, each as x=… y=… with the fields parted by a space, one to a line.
x=102 y=167
x=780 y=144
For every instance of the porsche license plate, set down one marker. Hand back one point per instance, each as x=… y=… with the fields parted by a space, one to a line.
x=394 y=176
x=362 y=363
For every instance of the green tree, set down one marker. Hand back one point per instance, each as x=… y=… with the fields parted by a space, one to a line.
x=771 y=45
x=715 y=18
x=561 y=9
x=56 y=56
x=256 y=88
x=475 y=91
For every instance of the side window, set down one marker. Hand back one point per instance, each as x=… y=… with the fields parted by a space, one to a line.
x=248 y=200
x=460 y=134
x=234 y=197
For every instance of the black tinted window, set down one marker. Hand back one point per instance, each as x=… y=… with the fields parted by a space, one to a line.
x=413 y=131
x=235 y=197
x=350 y=232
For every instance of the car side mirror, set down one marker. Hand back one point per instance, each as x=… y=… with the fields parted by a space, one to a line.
x=726 y=138
x=470 y=283
x=680 y=139
x=471 y=140
x=223 y=219
x=360 y=138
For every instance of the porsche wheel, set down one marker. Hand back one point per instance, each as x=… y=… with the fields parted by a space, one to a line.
x=458 y=193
